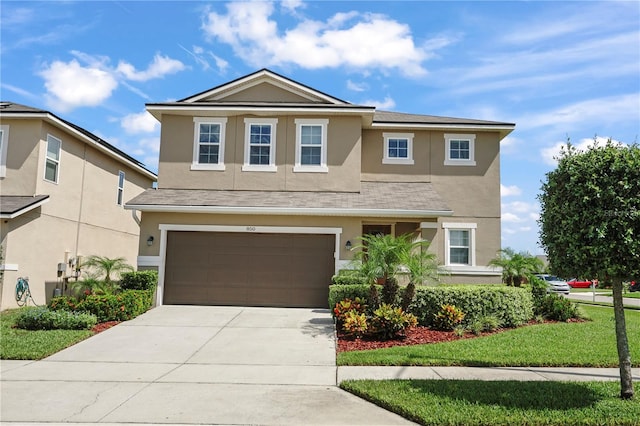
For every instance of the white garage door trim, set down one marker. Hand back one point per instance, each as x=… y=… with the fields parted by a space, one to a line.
x=166 y=227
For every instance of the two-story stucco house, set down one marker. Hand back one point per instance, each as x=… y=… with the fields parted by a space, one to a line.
x=63 y=191
x=265 y=184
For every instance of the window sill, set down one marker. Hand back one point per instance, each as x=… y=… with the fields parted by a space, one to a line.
x=310 y=169
x=256 y=168
x=459 y=163
x=405 y=161
x=216 y=167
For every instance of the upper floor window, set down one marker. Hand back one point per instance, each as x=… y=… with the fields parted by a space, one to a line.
x=52 y=161
x=460 y=150
x=4 y=142
x=208 y=146
x=460 y=243
x=120 y=195
x=260 y=145
x=398 y=148
x=311 y=145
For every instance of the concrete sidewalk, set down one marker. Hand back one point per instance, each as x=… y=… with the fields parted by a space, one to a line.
x=589 y=297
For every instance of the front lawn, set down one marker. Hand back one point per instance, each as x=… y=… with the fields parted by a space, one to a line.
x=468 y=402
x=25 y=344
x=585 y=344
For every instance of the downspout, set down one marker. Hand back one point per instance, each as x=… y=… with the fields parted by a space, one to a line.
x=135 y=218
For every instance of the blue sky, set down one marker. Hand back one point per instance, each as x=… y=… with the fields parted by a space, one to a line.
x=557 y=69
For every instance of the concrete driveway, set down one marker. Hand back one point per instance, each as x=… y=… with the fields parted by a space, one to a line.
x=192 y=365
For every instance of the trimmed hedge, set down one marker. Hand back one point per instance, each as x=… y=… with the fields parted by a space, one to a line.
x=512 y=306
x=348 y=277
x=108 y=307
x=139 y=280
x=42 y=318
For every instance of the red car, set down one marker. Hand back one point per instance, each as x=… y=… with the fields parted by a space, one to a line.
x=576 y=283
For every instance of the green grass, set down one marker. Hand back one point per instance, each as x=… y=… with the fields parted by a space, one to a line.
x=25 y=344
x=606 y=292
x=469 y=403
x=585 y=344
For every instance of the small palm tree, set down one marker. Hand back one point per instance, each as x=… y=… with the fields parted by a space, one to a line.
x=105 y=266
x=516 y=266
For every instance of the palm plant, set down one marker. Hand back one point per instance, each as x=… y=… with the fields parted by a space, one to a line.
x=106 y=267
x=516 y=266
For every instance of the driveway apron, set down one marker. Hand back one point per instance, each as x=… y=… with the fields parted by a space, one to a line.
x=193 y=365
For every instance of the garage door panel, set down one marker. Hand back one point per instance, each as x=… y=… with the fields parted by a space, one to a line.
x=212 y=268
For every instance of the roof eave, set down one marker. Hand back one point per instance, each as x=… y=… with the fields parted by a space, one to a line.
x=24 y=210
x=289 y=211
x=503 y=128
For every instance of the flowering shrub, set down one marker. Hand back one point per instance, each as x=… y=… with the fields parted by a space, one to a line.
x=42 y=318
x=448 y=317
x=107 y=307
x=388 y=321
x=355 y=323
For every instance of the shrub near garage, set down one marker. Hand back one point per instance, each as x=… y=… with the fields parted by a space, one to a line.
x=42 y=318
x=108 y=307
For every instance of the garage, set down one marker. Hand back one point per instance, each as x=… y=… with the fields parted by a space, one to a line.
x=248 y=269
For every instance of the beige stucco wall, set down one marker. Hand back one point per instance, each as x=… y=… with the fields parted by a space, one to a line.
x=81 y=217
x=264 y=92
x=373 y=151
x=343 y=158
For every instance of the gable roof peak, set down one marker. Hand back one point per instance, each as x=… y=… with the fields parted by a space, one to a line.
x=261 y=76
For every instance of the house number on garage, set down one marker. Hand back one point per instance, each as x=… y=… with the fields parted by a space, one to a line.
x=251 y=228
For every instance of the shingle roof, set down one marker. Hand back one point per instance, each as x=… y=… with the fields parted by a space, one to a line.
x=10 y=205
x=13 y=108
x=398 y=117
x=391 y=197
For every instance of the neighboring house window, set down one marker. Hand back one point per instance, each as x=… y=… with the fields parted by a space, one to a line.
x=208 y=146
x=52 y=162
x=398 y=148
x=120 y=187
x=311 y=145
x=460 y=150
x=260 y=145
x=460 y=243
x=4 y=142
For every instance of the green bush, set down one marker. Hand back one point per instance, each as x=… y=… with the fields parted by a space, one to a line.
x=512 y=306
x=348 y=291
x=345 y=306
x=539 y=293
x=42 y=318
x=388 y=322
x=123 y=306
x=447 y=318
x=355 y=323
x=348 y=277
x=558 y=308
x=139 y=280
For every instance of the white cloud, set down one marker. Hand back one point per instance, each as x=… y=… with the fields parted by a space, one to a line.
x=508 y=191
x=510 y=217
x=139 y=123
x=373 y=40
x=220 y=63
x=147 y=150
x=70 y=85
x=387 y=103
x=519 y=212
x=356 y=87
x=550 y=154
x=161 y=66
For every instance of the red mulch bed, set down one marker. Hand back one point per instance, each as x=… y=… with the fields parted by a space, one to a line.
x=415 y=336
x=104 y=326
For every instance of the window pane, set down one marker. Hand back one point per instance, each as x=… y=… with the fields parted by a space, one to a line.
x=310 y=155
x=53 y=148
x=208 y=154
x=119 y=197
x=459 y=255
x=459 y=238
x=50 y=171
x=121 y=180
x=398 y=148
x=459 y=150
x=311 y=135
x=210 y=133
x=259 y=155
x=260 y=134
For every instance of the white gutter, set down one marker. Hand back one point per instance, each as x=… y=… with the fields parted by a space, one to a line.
x=315 y=211
x=443 y=126
x=250 y=108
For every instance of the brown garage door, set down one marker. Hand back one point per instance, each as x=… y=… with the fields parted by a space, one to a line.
x=247 y=269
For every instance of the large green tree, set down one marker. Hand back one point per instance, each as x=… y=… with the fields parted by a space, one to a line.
x=590 y=224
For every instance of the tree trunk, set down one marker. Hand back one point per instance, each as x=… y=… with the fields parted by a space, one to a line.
x=624 y=357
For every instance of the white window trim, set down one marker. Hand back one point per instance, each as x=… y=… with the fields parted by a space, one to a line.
x=271 y=167
x=222 y=121
x=322 y=168
x=452 y=226
x=46 y=158
x=3 y=149
x=120 y=192
x=394 y=160
x=471 y=161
